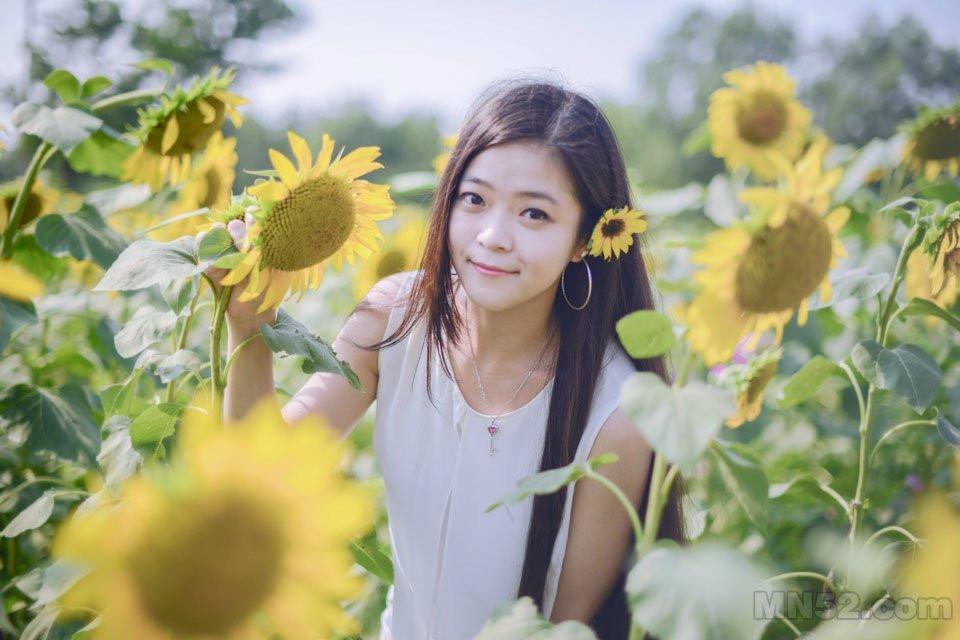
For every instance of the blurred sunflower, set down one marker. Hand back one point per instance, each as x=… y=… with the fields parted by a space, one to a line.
x=749 y=382
x=440 y=161
x=757 y=120
x=17 y=284
x=210 y=185
x=941 y=243
x=40 y=201
x=613 y=233
x=918 y=283
x=315 y=211
x=181 y=126
x=244 y=535
x=400 y=252
x=933 y=142
x=758 y=273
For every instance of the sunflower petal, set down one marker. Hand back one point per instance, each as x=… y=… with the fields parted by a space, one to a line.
x=285 y=168
x=170 y=134
x=302 y=152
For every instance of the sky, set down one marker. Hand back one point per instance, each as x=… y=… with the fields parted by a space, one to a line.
x=437 y=55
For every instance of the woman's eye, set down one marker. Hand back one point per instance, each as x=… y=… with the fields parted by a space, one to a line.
x=541 y=213
x=469 y=194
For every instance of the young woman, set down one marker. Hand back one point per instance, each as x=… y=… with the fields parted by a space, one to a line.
x=522 y=373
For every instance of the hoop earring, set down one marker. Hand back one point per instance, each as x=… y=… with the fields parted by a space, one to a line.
x=589 y=286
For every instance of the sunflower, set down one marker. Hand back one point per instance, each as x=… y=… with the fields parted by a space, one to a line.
x=17 y=284
x=749 y=381
x=440 y=161
x=941 y=243
x=933 y=142
x=400 y=252
x=315 y=211
x=181 y=126
x=243 y=535
x=210 y=185
x=757 y=273
x=613 y=233
x=918 y=282
x=40 y=201
x=757 y=120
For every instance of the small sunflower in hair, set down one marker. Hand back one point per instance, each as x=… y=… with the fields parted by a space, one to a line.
x=613 y=233
x=181 y=126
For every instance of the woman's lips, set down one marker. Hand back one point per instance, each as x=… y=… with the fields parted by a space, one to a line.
x=490 y=272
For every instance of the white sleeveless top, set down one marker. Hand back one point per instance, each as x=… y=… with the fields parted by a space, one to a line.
x=454 y=564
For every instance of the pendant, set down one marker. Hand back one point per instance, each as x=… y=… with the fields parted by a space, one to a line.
x=492 y=430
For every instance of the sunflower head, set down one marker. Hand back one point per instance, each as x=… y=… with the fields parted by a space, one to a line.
x=18 y=284
x=440 y=160
x=757 y=120
x=941 y=243
x=613 y=233
x=933 y=142
x=40 y=201
x=179 y=127
x=207 y=547
x=309 y=213
x=401 y=252
x=749 y=382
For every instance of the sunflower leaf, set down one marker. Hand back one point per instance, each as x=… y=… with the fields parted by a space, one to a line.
x=520 y=620
x=156 y=64
x=646 y=333
x=64 y=83
x=82 y=235
x=147 y=326
x=13 y=315
x=153 y=426
x=947 y=431
x=679 y=423
x=546 y=482
x=216 y=243
x=368 y=554
x=805 y=382
x=705 y=591
x=146 y=263
x=58 y=420
x=288 y=337
x=169 y=366
x=94 y=85
x=63 y=127
x=856 y=284
x=906 y=370
x=744 y=476
x=102 y=154
x=924 y=307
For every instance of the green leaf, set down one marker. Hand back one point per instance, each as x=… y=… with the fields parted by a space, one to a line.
x=552 y=479
x=117 y=398
x=117 y=458
x=178 y=294
x=35 y=515
x=57 y=579
x=673 y=201
x=924 y=307
x=521 y=620
x=28 y=254
x=646 y=333
x=947 y=431
x=169 y=367
x=146 y=263
x=744 y=476
x=82 y=235
x=156 y=64
x=288 y=337
x=63 y=127
x=702 y=592
x=64 y=83
x=698 y=140
x=216 y=243
x=153 y=426
x=807 y=480
x=679 y=423
x=94 y=85
x=857 y=284
x=147 y=326
x=805 y=382
x=906 y=370
x=13 y=315
x=368 y=554
x=58 y=420
x=102 y=154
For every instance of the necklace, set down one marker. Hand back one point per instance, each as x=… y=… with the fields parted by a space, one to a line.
x=493 y=427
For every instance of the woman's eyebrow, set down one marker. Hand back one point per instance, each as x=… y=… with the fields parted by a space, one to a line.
x=528 y=194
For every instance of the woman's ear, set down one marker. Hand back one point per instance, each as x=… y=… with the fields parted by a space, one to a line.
x=579 y=252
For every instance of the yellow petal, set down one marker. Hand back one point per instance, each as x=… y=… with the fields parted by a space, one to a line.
x=302 y=151
x=323 y=157
x=288 y=174
x=170 y=134
x=207 y=111
x=17 y=284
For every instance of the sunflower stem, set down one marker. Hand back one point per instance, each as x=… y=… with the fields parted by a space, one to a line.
x=216 y=334
x=40 y=156
x=625 y=501
x=236 y=350
x=866 y=418
x=124 y=99
x=900 y=427
x=182 y=341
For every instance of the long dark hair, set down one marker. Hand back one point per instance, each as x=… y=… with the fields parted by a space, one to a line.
x=574 y=125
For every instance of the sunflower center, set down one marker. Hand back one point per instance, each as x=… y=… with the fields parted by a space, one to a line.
x=309 y=225
x=390 y=263
x=210 y=566
x=940 y=140
x=784 y=265
x=612 y=228
x=763 y=119
x=211 y=179
x=951 y=260
x=193 y=134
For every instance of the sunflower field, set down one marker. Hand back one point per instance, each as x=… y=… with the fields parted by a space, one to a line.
x=809 y=307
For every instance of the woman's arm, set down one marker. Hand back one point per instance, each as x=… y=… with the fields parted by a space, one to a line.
x=599 y=526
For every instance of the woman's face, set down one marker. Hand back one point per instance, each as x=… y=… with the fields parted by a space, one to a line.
x=514 y=209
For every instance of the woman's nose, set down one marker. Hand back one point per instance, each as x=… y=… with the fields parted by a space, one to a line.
x=495 y=232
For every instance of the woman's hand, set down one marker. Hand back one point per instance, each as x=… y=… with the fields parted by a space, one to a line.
x=239 y=314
